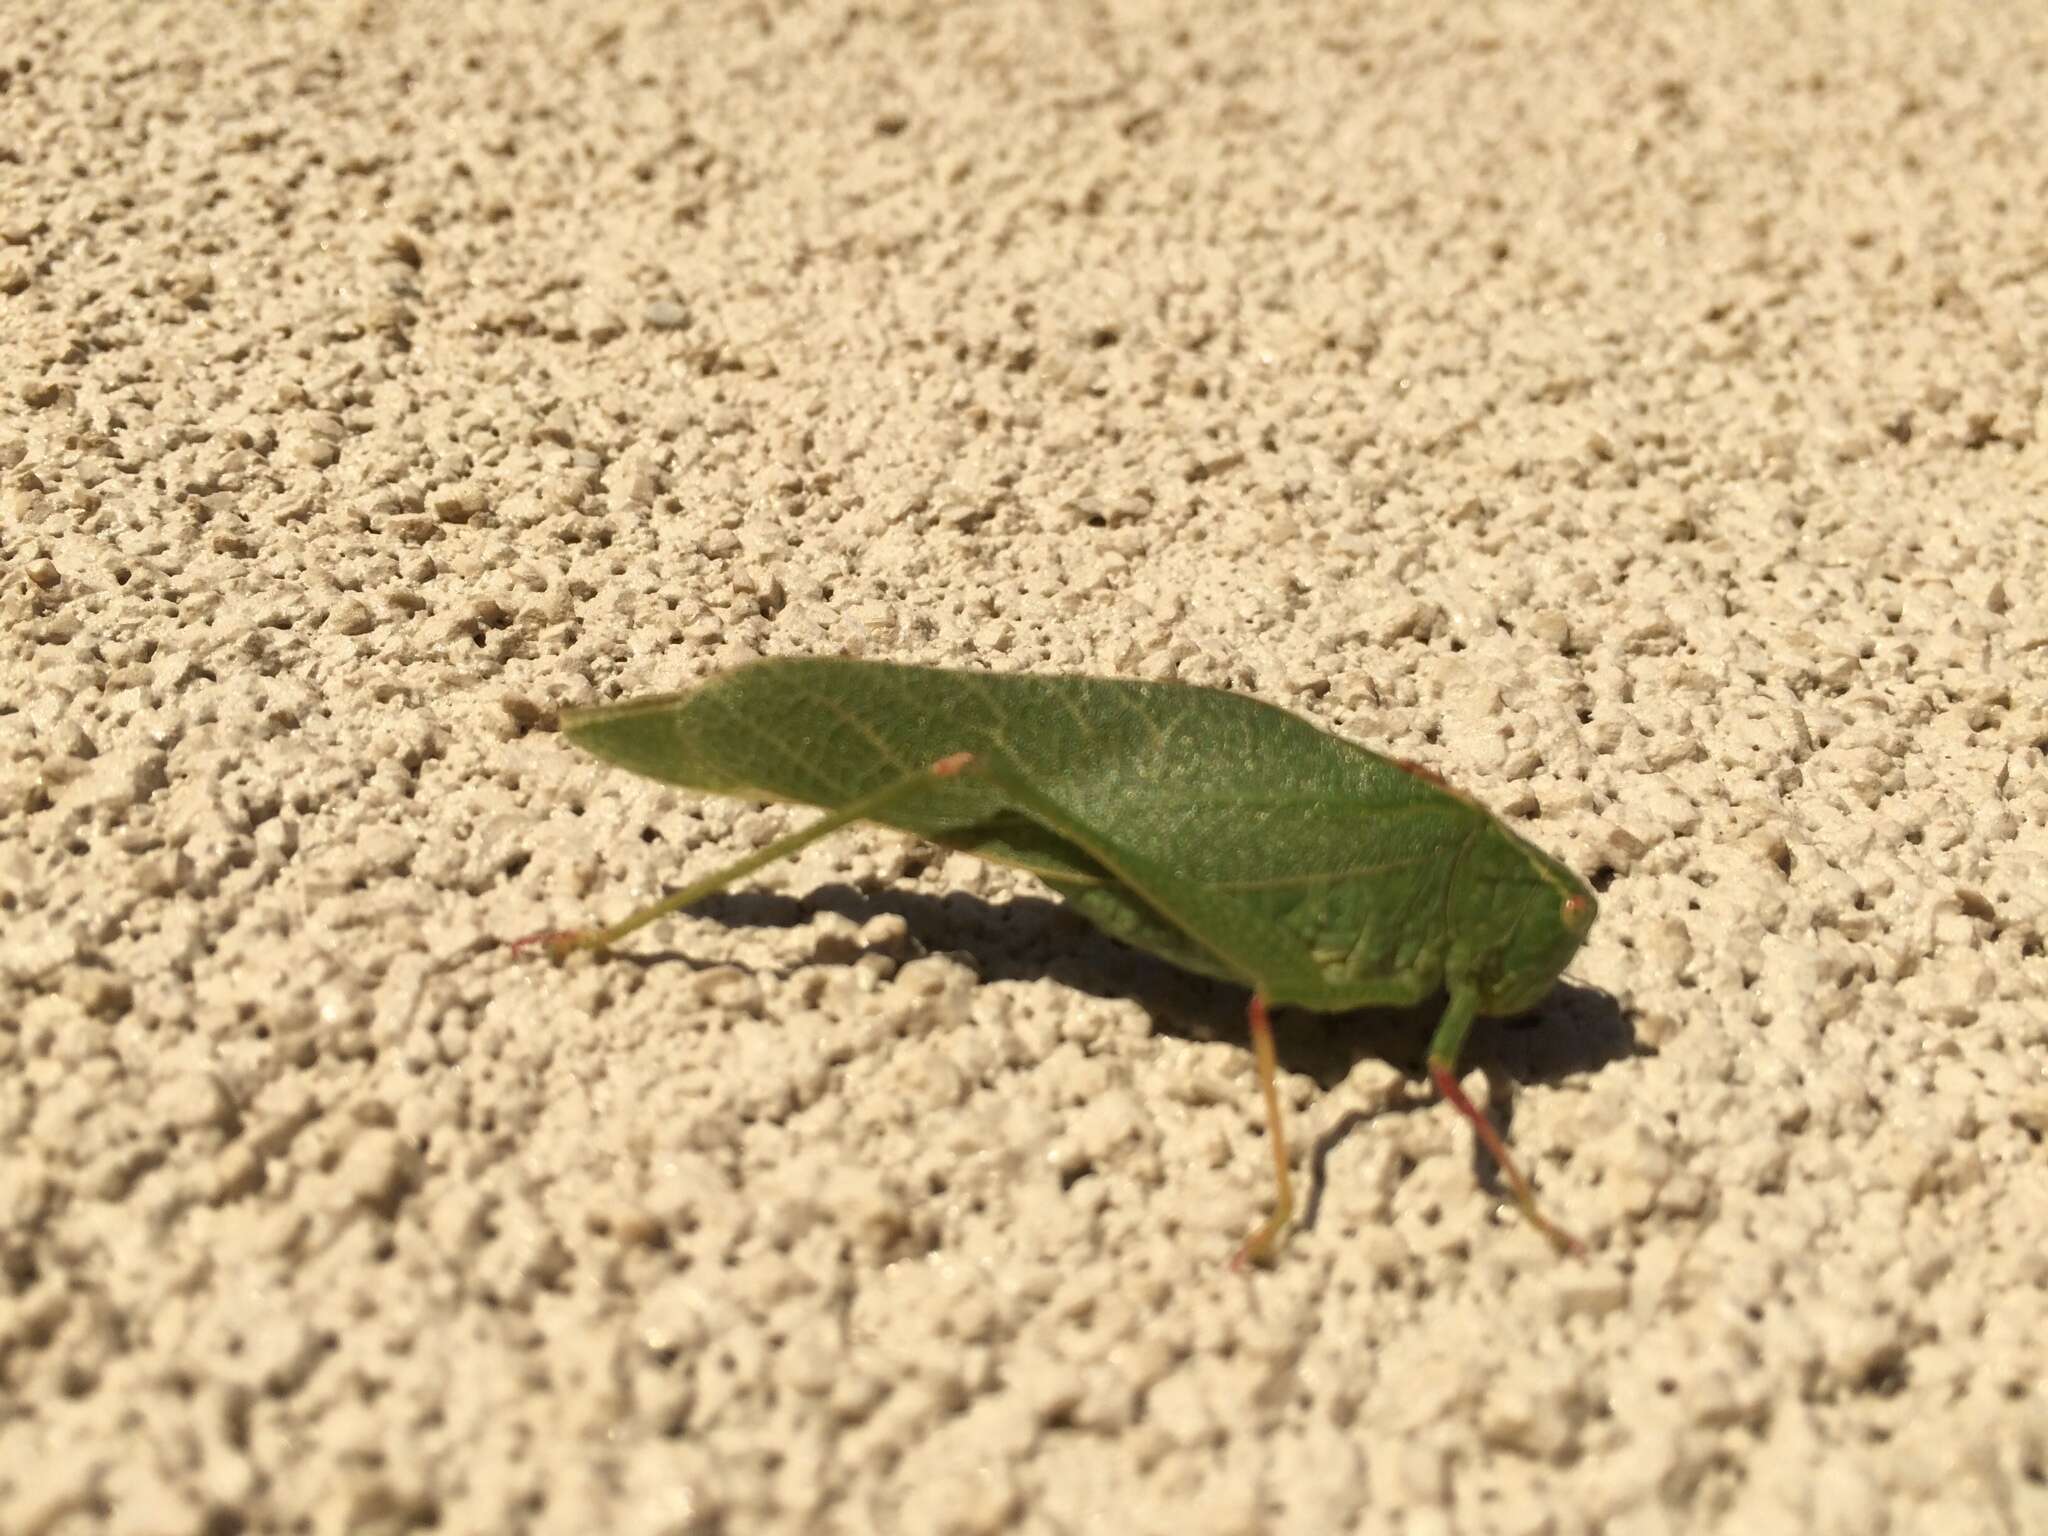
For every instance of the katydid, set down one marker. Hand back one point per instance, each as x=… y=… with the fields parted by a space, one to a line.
x=1223 y=834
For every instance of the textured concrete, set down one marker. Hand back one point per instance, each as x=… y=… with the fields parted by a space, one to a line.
x=1640 y=422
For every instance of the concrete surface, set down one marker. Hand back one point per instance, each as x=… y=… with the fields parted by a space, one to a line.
x=1640 y=421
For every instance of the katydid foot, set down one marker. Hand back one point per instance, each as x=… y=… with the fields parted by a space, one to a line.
x=560 y=943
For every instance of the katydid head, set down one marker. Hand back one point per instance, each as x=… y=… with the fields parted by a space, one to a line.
x=1525 y=914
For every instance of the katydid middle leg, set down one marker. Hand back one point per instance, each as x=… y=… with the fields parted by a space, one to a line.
x=1265 y=1238
x=1244 y=947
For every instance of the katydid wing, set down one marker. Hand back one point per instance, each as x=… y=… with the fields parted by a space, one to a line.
x=1226 y=835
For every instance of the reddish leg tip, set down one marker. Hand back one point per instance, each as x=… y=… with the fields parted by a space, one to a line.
x=1256 y=1251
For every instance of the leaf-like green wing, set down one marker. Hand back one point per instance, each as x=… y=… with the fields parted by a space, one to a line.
x=827 y=732
x=1327 y=850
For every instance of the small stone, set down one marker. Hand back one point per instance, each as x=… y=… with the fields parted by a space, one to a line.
x=1551 y=628
x=194 y=1101
x=379 y=1169
x=351 y=616
x=459 y=503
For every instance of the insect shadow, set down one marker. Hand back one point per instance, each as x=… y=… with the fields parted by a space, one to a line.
x=1578 y=1029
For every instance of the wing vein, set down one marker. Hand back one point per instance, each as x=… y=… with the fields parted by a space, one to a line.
x=1323 y=876
x=858 y=726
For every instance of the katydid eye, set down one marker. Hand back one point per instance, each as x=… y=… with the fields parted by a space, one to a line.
x=1578 y=913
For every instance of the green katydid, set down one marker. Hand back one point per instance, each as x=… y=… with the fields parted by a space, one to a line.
x=1226 y=835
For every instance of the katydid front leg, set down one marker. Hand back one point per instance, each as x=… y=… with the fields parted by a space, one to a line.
x=1445 y=1046
x=563 y=942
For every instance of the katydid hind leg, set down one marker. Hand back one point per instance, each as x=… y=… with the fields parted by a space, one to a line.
x=1445 y=1046
x=561 y=943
